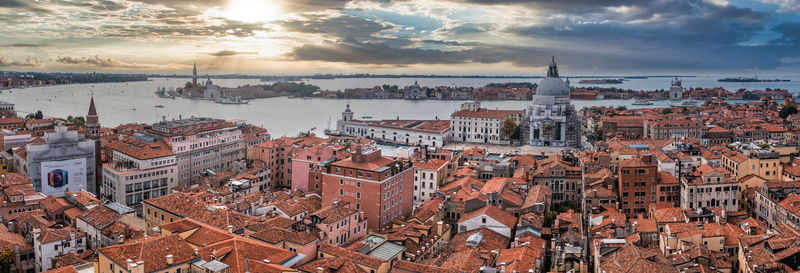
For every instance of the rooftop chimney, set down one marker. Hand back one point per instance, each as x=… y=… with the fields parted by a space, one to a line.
x=169 y=259
x=137 y=267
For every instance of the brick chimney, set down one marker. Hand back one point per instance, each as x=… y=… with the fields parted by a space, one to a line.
x=137 y=267
x=358 y=155
x=169 y=259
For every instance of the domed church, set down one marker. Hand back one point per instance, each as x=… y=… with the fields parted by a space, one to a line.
x=552 y=118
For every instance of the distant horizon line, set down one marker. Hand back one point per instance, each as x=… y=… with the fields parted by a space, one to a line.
x=340 y=75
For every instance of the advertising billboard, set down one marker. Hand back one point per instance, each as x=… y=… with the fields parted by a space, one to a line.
x=65 y=175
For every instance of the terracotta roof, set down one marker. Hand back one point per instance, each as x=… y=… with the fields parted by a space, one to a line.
x=407 y=266
x=636 y=162
x=432 y=164
x=84 y=198
x=295 y=206
x=490 y=240
x=276 y=235
x=499 y=215
x=233 y=252
x=537 y=194
x=141 y=149
x=330 y=265
x=669 y=215
x=494 y=185
x=334 y=213
x=469 y=261
x=152 y=250
x=718 y=129
x=9 y=239
x=66 y=269
x=354 y=256
x=204 y=236
x=631 y=258
x=53 y=203
x=100 y=216
x=520 y=259
x=49 y=235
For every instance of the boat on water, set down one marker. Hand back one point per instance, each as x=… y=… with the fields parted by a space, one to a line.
x=334 y=133
x=686 y=103
x=366 y=116
x=642 y=101
x=159 y=106
x=232 y=100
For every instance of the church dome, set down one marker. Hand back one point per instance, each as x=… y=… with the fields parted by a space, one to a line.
x=552 y=86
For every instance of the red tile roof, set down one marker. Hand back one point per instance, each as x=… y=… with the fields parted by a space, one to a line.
x=152 y=250
x=505 y=218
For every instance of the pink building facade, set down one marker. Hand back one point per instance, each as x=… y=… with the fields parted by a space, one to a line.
x=305 y=159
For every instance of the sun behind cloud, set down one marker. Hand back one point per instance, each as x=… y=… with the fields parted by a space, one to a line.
x=252 y=10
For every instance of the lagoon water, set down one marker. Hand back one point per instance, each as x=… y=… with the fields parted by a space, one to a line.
x=120 y=103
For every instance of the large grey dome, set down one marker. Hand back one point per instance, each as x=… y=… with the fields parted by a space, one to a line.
x=552 y=86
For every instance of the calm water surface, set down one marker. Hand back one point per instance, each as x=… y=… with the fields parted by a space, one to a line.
x=119 y=103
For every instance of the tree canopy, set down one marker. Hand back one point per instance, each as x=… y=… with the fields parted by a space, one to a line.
x=787 y=111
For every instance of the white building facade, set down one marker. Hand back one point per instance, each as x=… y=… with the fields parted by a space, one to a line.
x=51 y=243
x=553 y=119
x=201 y=144
x=427 y=178
x=709 y=187
x=432 y=133
x=675 y=90
x=471 y=123
x=139 y=170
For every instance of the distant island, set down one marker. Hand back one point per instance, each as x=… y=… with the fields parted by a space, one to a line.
x=34 y=79
x=602 y=81
x=743 y=79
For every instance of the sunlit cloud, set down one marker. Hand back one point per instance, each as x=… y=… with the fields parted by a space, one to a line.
x=436 y=36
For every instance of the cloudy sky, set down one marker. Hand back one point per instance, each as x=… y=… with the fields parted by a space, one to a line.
x=487 y=37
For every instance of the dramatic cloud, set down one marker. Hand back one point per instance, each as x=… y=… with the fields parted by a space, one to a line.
x=103 y=63
x=28 y=45
x=106 y=5
x=589 y=35
x=5 y=62
x=226 y=53
x=23 y=5
x=785 y=5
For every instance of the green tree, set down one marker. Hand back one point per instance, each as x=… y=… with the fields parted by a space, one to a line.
x=78 y=121
x=30 y=116
x=787 y=111
x=666 y=111
x=508 y=128
x=622 y=108
x=549 y=219
x=188 y=85
x=6 y=260
x=517 y=133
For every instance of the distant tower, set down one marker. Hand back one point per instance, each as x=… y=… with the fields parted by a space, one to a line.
x=92 y=126
x=675 y=89
x=92 y=122
x=347 y=115
x=194 y=76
